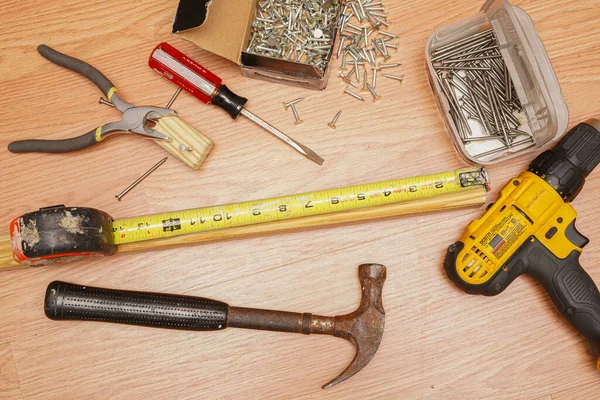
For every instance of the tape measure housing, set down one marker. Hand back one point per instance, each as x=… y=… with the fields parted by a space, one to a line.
x=61 y=234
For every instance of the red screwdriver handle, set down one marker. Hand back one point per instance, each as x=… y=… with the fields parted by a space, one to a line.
x=184 y=72
x=194 y=78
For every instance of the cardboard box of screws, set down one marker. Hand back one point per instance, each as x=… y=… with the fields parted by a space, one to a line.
x=495 y=85
x=283 y=41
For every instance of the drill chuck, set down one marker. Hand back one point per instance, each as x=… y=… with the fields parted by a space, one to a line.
x=566 y=166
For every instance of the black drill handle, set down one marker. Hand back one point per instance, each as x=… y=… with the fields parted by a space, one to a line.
x=67 y=301
x=74 y=64
x=572 y=290
x=54 y=146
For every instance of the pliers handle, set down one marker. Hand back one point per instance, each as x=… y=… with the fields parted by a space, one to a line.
x=134 y=118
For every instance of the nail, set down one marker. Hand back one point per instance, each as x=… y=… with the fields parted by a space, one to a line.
x=365 y=88
x=140 y=179
x=396 y=77
x=374 y=85
x=347 y=91
x=449 y=67
x=291 y=103
x=498 y=150
x=298 y=120
x=375 y=96
x=332 y=123
x=170 y=103
x=106 y=102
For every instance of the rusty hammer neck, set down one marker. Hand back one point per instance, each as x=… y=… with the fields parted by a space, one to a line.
x=280 y=321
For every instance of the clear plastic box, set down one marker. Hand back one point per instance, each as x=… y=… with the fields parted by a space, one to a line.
x=545 y=115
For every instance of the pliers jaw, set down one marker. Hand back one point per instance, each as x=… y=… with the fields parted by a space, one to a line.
x=140 y=120
x=149 y=118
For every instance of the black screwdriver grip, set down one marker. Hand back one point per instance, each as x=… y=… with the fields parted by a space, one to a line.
x=67 y=301
x=229 y=101
x=78 y=66
x=54 y=146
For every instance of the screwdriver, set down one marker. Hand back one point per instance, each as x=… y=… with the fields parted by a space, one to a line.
x=208 y=88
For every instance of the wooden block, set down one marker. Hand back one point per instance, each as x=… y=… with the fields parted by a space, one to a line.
x=185 y=142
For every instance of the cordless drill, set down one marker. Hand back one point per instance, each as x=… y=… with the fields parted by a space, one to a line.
x=531 y=230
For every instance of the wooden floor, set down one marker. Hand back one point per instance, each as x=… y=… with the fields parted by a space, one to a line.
x=439 y=343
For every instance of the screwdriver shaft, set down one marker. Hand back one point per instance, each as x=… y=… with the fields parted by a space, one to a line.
x=299 y=147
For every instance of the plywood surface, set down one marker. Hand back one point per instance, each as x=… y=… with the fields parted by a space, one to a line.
x=439 y=343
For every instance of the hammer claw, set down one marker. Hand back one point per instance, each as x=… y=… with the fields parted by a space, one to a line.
x=362 y=357
x=363 y=327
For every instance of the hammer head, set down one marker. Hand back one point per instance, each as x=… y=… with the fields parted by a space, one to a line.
x=363 y=327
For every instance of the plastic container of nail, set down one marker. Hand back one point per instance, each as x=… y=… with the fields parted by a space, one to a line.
x=528 y=95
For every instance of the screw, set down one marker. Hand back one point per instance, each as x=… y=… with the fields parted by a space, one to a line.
x=332 y=123
x=298 y=120
x=140 y=179
x=347 y=91
x=290 y=103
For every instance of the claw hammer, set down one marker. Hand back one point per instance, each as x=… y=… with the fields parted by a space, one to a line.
x=363 y=327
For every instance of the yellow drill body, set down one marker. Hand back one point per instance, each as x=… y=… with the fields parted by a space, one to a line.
x=528 y=207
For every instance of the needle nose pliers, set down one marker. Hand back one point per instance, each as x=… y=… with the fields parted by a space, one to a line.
x=135 y=119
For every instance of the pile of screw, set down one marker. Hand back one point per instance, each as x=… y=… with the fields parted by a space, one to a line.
x=296 y=30
x=364 y=42
x=475 y=81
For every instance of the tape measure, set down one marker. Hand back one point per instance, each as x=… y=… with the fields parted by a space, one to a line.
x=296 y=206
x=61 y=234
